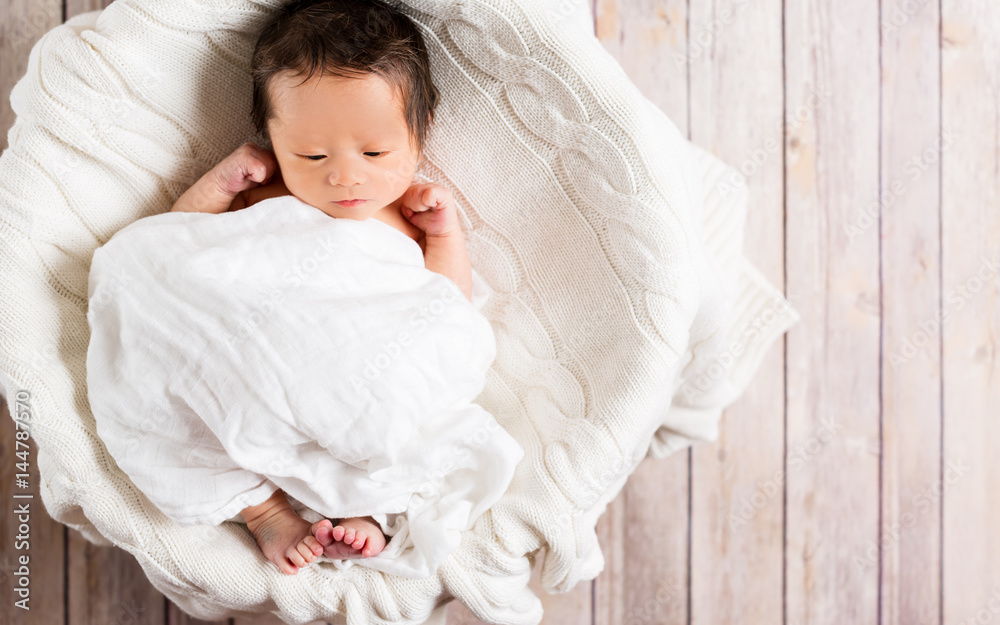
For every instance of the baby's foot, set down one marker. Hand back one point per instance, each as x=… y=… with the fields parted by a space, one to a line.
x=287 y=540
x=352 y=538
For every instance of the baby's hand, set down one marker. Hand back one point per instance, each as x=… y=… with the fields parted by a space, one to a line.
x=431 y=208
x=247 y=167
x=240 y=180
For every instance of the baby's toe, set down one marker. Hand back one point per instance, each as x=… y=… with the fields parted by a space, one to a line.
x=370 y=547
x=296 y=557
x=322 y=530
x=337 y=533
x=359 y=540
x=325 y=536
x=309 y=549
x=287 y=566
x=313 y=545
x=374 y=545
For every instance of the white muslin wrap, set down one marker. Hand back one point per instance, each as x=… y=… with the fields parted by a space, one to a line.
x=279 y=347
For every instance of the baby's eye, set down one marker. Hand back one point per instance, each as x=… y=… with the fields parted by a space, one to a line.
x=376 y=154
x=315 y=157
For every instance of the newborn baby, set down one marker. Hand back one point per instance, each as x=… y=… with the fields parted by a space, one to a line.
x=346 y=110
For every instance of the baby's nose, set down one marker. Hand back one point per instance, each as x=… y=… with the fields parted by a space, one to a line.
x=346 y=174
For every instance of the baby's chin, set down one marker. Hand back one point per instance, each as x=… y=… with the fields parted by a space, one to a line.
x=358 y=213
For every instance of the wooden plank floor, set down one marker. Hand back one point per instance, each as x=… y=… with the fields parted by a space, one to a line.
x=856 y=481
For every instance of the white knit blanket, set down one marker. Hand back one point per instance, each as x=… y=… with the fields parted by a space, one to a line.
x=625 y=315
x=277 y=347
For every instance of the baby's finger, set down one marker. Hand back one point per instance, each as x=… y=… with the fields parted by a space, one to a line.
x=265 y=155
x=270 y=164
x=439 y=198
x=258 y=163
x=229 y=177
x=413 y=197
x=255 y=171
x=432 y=197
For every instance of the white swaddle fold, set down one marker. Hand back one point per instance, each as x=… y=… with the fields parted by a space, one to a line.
x=277 y=346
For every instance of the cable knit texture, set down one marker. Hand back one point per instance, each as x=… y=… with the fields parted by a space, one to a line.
x=625 y=314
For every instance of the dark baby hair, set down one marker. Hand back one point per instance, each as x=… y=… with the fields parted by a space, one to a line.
x=347 y=38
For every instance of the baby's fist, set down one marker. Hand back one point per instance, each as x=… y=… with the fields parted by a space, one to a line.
x=431 y=208
x=247 y=167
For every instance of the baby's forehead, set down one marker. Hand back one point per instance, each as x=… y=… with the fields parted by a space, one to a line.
x=293 y=78
x=286 y=83
x=376 y=93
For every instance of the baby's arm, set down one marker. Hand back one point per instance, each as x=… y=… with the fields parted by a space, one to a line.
x=240 y=180
x=431 y=208
x=446 y=255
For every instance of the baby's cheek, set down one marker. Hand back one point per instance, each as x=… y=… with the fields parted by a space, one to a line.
x=297 y=186
x=403 y=173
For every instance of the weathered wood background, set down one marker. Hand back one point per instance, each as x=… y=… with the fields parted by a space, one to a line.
x=858 y=479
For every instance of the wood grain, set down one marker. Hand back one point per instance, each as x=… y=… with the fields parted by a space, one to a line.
x=644 y=531
x=908 y=212
x=22 y=24
x=44 y=542
x=737 y=486
x=107 y=585
x=970 y=242
x=832 y=430
x=880 y=206
x=76 y=7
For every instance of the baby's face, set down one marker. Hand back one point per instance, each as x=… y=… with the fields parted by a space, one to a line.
x=341 y=139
